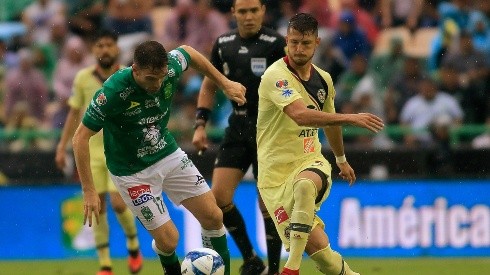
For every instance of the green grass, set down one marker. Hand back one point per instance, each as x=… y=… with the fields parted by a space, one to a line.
x=366 y=266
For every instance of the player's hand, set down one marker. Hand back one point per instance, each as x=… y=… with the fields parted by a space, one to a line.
x=347 y=173
x=91 y=206
x=200 y=139
x=235 y=91
x=60 y=158
x=369 y=121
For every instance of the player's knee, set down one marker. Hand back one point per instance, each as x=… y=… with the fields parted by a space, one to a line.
x=328 y=261
x=167 y=240
x=304 y=189
x=163 y=248
x=212 y=219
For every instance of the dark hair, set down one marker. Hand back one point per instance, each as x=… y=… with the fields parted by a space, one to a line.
x=304 y=23
x=104 y=33
x=150 y=55
x=260 y=1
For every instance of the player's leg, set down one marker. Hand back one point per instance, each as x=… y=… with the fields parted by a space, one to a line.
x=165 y=240
x=101 y=236
x=328 y=261
x=127 y=222
x=273 y=241
x=208 y=214
x=305 y=190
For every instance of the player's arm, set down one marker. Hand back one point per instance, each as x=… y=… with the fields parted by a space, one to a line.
x=91 y=201
x=71 y=123
x=233 y=90
x=304 y=116
x=335 y=139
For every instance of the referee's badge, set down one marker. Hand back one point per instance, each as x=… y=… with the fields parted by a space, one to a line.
x=321 y=94
x=258 y=65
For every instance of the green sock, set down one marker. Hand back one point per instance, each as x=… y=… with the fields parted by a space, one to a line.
x=216 y=240
x=170 y=261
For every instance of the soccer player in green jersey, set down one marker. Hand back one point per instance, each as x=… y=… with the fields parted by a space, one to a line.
x=295 y=99
x=86 y=83
x=144 y=160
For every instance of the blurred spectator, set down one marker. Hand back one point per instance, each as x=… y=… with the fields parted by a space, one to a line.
x=182 y=121
x=430 y=107
x=364 y=20
x=85 y=16
x=320 y=9
x=479 y=28
x=331 y=59
x=403 y=85
x=75 y=57
x=37 y=17
x=382 y=66
x=482 y=141
x=194 y=23
x=288 y=8
x=472 y=72
x=3 y=71
x=129 y=16
x=27 y=84
x=349 y=38
x=396 y=13
x=59 y=35
x=44 y=58
x=348 y=82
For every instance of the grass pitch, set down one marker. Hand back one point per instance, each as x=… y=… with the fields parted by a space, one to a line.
x=366 y=266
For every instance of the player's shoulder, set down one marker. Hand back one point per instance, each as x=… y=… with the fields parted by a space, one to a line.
x=119 y=83
x=324 y=74
x=270 y=35
x=278 y=67
x=227 y=37
x=85 y=72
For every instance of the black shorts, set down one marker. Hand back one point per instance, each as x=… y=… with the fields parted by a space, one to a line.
x=239 y=146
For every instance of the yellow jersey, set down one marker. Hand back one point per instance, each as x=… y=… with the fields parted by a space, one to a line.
x=281 y=142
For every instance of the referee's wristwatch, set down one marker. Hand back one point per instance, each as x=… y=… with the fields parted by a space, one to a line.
x=199 y=123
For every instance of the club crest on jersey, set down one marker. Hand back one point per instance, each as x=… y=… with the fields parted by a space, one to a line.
x=101 y=99
x=321 y=94
x=282 y=84
x=258 y=65
x=281 y=215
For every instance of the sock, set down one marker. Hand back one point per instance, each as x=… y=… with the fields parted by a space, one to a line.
x=301 y=220
x=330 y=262
x=126 y=220
x=101 y=234
x=274 y=244
x=169 y=261
x=235 y=225
x=216 y=240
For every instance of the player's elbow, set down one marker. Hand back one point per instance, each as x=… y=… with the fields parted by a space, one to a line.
x=300 y=118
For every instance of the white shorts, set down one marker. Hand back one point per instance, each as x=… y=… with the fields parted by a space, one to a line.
x=175 y=175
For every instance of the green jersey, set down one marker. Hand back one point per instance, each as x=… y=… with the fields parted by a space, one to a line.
x=135 y=122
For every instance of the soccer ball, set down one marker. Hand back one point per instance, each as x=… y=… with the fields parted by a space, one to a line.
x=202 y=261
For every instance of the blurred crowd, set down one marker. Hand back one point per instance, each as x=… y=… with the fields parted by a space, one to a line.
x=422 y=65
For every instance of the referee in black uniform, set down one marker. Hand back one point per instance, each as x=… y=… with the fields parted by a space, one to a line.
x=242 y=55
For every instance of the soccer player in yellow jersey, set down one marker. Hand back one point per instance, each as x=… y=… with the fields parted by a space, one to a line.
x=295 y=99
x=86 y=83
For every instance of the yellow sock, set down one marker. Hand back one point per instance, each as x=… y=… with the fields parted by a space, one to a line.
x=126 y=220
x=330 y=262
x=301 y=221
x=101 y=232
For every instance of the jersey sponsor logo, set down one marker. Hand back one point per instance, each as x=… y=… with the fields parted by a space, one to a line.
x=243 y=50
x=133 y=112
x=267 y=38
x=281 y=215
x=152 y=103
x=133 y=104
x=152 y=119
x=180 y=58
x=126 y=92
x=287 y=92
x=282 y=84
x=321 y=94
x=101 y=99
x=136 y=191
x=308 y=145
x=258 y=65
x=226 y=38
x=200 y=180
x=308 y=132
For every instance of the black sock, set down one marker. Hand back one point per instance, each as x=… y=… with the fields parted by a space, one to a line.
x=172 y=269
x=233 y=221
x=274 y=245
